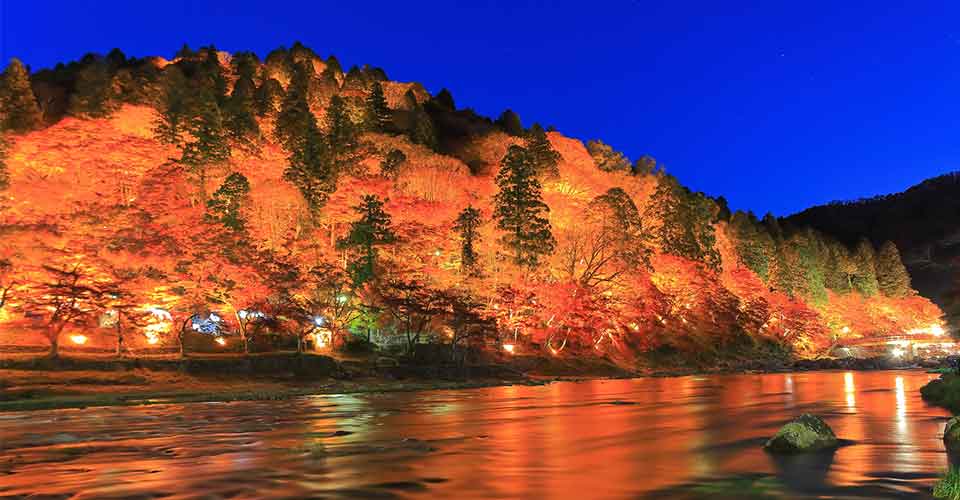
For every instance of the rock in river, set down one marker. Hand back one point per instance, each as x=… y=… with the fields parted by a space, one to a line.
x=951 y=435
x=802 y=434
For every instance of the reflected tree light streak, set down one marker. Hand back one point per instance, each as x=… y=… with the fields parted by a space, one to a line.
x=850 y=390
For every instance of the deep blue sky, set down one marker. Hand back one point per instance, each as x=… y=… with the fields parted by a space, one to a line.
x=775 y=105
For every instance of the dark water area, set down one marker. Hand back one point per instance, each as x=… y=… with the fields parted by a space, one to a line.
x=684 y=437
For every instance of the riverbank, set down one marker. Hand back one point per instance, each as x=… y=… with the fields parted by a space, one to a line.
x=943 y=392
x=40 y=383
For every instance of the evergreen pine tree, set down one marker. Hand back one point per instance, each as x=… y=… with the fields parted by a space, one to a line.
x=372 y=230
x=245 y=65
x=185 y=52
x=175 y=107
x=310 y=168
x=341 y=133
x=520 y=210
x=19 y=110
x=865 y=279
x=376 y=113
x=892 y=276
x=510 y=123
x=94 y=95
x=783 y=268
x=238 y=113
x=115 y=59
x=444 y=99
x=295 y=117
x=839 y=268
x=753 y=244
x=212 y=75
x=541 y=152
x=809 y=278
x=209 y=144
x=467 y=226
x=422 y=130
x=269 y=97
x=226 y=204
x=683 y=222
x=333 y=72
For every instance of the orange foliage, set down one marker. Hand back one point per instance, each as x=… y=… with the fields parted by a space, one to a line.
x=103 y=193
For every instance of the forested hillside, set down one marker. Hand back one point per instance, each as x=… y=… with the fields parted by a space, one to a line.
x=922 y=221
x=221 y=201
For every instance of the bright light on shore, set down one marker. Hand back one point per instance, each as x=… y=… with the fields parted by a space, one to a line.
x=509 y=348
x=897 y=352
x=220 y=340
x=78 y=339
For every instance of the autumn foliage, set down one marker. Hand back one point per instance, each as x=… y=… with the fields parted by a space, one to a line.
x=111 y=233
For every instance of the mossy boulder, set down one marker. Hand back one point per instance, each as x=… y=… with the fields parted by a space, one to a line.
x=951 y=435
x=803 y=434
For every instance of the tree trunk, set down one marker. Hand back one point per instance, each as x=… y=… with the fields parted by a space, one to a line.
x=119 y=339
x=183 y=352
x=53 y=334
x=54 y=347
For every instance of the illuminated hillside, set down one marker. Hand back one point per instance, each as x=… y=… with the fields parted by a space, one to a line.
x=109 y=231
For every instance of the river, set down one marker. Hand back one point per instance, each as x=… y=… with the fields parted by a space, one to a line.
x=682 y=437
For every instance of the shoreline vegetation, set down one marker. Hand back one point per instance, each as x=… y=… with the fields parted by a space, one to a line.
x=944 y=392
x=44 y=384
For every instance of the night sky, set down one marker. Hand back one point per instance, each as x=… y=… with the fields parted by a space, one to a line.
x=776 y=107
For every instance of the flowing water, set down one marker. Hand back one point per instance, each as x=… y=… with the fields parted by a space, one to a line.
x=683 y=437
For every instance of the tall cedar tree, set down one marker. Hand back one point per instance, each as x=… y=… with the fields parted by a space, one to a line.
x=684 y=222
x=213 y=73
x=238 y=113
x=421 y=129
x=444 y=99
x=269 y=97
x=94 y=95
x=311 y=169
x=373 y=229
x=295 y=117
x=520 y=211
x=334 y=71
x=808 y=275
x=342 y=137
x=865 y=260
x=226 y=204
x=840 y=268
x=376 y=112
x=541 y=153
x=209 y=145
x=510 y=123
x=175 y=107
x=467 y=226
x=245 y=65
x=892 y=276
x=753 y=244
x=19 y=110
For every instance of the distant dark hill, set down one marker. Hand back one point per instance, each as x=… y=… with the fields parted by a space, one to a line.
x=924 y=222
